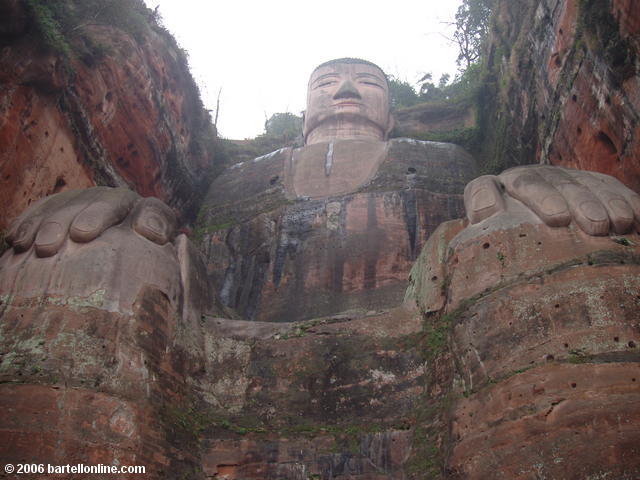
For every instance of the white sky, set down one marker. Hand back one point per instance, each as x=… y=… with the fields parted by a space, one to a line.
x=261 y=53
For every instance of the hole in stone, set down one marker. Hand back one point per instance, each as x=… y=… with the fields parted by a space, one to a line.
x=606 y=142
x=558 y=62
x=411 y=170
x=550 y=358
x=61 y=149
x=631 y=344
x=522 y=235
x=539 y=243
x=557 y=305
x=589 y=262
x=273 y=180
x=486 y=245
x=574 y=97
x=607 y=100
x=434 y=278
x=60 y=183
x=633 y=379
x=46 y=133
x=616 y=339
x=574 y=385
x=560 y=32
x=122 y=162
x=109 y=96
x=579 y=130
x=566 y=345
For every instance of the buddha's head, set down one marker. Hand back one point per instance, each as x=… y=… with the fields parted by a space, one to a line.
x=347 y=98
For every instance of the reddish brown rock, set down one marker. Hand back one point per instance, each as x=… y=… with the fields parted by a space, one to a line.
x=544 y=339
x=569 y=91
x=333 y=397
x=82 y=385
x=130 y=118
x=558 y=420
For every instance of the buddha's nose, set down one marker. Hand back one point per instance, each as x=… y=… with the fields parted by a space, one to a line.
x=347 y=90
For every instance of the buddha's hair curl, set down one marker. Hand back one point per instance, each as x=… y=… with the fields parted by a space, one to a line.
x=351 y=60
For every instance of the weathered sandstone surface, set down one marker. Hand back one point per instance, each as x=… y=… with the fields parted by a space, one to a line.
x=566 y=77
x=544 y=335
x=274 y=256
x=513 y=353
x=127 y=114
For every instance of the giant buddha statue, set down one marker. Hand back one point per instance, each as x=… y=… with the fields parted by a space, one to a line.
x=303 y=232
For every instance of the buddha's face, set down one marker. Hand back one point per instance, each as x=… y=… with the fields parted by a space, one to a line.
x=347 y=100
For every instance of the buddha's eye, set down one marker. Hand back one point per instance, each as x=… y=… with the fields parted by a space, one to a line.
x=373 y=84
x=326 y=83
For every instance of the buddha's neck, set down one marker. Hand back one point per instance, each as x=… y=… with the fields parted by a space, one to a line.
x=331 y=133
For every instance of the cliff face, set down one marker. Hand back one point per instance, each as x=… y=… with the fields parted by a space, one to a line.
x=542 y=350
x=103 y=105
x=563 y=76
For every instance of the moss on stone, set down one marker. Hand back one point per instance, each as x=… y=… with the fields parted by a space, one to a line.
x=601 y=33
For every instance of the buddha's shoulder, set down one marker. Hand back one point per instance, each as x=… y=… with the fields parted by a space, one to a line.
x=435 y=154
x=435 y=166
x=251 y=178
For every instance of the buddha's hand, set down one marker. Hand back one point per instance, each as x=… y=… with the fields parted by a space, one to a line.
x=597 y=203
x=82 y=215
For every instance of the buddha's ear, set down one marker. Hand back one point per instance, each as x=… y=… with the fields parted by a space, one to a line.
x=390 y=124
x=304 y=127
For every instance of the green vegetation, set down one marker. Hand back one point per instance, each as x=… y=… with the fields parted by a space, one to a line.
x=472 y=25
x=619 y=240
x=49 y=27
x=437 y=337
x=285 y=126
x=61 y=25
x=599 y=30
x=185 y=421
x=401 y=93
x=578 y=355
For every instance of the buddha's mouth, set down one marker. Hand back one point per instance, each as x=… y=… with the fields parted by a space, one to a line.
x=347 y=104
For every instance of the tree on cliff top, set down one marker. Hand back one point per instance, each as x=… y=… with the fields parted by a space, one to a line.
x=472 y=25
x=285 y=125
x=401 y=93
